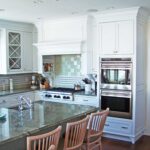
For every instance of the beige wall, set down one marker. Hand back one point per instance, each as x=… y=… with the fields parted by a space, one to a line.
x=147 y=131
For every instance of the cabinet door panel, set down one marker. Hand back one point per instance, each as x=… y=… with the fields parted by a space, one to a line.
x=14 y=51
x=125 y=37
x=108 y=37
x=27 y=51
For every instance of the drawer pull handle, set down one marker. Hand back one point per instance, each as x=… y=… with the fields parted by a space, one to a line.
x=3 y=101
x=85 y=100
x=124 y=127
x=107 y=125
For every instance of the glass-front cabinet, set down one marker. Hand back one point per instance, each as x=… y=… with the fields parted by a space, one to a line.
x=14 y=51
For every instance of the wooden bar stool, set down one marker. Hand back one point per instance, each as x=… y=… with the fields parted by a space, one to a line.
x=52 y=147
x=44 y=141
x=95 y=129
x=75 y=133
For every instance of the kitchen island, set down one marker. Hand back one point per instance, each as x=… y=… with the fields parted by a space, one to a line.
x=43 y=117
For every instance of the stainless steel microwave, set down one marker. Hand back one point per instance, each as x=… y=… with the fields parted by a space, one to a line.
x=116 y=73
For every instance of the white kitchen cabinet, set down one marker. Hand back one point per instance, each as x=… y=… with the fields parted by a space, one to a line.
x=16 y=51
x=95 y=54
x=27 y=49
x=118 y=126
x=39 y=95
x=127 y=40
x=12 y=100
x=8 y=101
x=31 y=95
x=108 y=37
x=117 y=37
x=86 y=100
x=89 y=54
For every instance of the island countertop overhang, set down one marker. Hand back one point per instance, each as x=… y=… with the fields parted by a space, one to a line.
x=42 y=116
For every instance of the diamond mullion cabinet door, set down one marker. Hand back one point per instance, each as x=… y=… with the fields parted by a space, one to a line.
x=14 y=52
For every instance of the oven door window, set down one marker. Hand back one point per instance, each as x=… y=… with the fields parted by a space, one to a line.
x=115 y=76
x=118 y=104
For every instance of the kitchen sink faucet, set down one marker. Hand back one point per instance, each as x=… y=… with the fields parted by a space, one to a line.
x=27 y=101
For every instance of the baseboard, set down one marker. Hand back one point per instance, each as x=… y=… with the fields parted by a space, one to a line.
x=147 y=132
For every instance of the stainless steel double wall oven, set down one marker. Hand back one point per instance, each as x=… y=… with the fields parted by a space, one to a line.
x=116 y=86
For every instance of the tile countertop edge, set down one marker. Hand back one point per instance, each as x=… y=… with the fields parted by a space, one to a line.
x=29 y=133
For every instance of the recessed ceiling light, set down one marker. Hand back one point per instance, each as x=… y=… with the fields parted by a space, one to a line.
x=92 y=10
x=2 y=10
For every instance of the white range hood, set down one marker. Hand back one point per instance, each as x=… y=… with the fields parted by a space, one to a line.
x=60 y=47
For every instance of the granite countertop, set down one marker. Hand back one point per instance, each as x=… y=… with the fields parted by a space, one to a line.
x=43 y=114
x=85 y=94
x=16 y=91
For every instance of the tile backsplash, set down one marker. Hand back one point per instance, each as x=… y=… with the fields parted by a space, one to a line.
x=19 y=81
x=68 y=65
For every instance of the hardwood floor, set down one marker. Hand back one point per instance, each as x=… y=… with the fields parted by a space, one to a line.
x=142 y=144
x=110 y=144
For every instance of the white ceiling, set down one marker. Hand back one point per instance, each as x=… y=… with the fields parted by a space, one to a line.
x=33 y=10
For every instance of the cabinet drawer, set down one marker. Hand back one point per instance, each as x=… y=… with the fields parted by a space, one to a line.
x=117 y=127
x=87 y=100
x=8 y=101
x=39 y=96
x=12 y=100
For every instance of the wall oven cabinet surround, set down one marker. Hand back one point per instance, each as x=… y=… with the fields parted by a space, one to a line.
x=119 y=102
x=116 y=73
x=122 y=34
x=16 y=51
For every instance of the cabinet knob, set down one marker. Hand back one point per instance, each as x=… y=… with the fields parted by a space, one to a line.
x=85 y=100
x=124 y=127
x=115 y=51
x=3 y=101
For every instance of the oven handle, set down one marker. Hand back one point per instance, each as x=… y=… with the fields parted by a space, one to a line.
x=115 y=94
x=117 y=67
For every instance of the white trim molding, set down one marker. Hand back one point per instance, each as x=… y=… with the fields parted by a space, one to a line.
x=60 y=47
